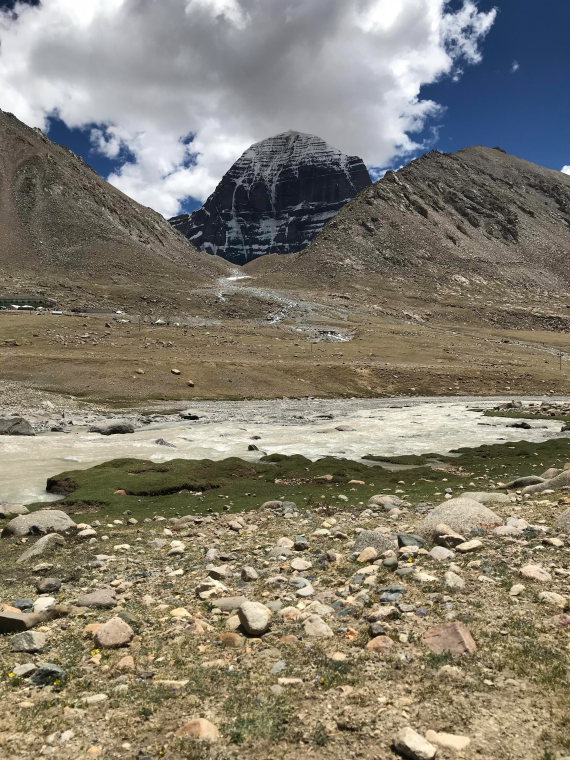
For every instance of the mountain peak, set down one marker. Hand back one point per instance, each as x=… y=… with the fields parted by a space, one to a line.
x=276 y=197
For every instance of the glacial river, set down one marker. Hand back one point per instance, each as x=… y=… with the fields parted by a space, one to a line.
x=344 y=428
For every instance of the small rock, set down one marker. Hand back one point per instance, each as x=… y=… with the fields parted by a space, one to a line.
x=453 y=638
x=201 y=729
x=249 y=574
x=29 y=641
x=254 y=618
x=454 y=742
x=48 y=585
x=113 y=634
x=412 y=745
x=380 y=644
x=551 y=597
x=535 y=573
x=316 y=627
x=469 y=546
x=103 y=599
x=48 y=674
x=453 y=581
x=369 y=554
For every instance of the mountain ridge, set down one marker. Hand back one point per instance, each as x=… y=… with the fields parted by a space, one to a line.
x=65 y=230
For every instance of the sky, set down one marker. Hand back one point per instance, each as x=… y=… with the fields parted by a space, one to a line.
x=162 y=96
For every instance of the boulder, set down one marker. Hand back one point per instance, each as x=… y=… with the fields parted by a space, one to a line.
x=15 y=426
x=462 y=515
x=12 y=510
x=44 y=545
x=38 y=523
x=113 y=427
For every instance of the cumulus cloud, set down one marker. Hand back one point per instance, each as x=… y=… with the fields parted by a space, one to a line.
x=175 y=90
x=565 y=169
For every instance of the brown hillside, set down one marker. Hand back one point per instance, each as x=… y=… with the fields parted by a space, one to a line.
x=477 y=221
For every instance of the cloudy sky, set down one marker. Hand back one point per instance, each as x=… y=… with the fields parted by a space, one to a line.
x=161 y=96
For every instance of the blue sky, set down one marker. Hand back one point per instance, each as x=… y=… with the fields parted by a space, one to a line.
x=526 y=112
x=517 y=98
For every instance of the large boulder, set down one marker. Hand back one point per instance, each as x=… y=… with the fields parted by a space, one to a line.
x=562 y=525
x=38 y=523
x=554 y=484
x=462 y=514
x=15 y=426
x=113 y=427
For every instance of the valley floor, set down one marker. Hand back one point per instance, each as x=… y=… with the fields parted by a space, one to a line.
x=104 y=359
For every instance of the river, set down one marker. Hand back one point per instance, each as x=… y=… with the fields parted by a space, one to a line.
x=309 y=427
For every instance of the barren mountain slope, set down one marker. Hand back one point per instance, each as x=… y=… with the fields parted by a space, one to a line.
x=478 y=220
x=67 y=233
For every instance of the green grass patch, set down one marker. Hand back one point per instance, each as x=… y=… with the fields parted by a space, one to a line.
x=183 y=486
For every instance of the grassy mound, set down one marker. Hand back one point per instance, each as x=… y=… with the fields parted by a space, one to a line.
x=183 y=486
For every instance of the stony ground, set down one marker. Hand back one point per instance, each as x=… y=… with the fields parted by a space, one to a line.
x=341 y=651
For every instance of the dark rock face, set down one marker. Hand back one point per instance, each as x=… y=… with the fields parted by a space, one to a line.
x=275 y=198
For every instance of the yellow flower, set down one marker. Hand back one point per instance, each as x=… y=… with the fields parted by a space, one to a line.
x=11 y=675
x=95 y=651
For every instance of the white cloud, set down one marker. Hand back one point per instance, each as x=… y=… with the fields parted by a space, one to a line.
x=230 y=72
x=515 y=66
x=565 y=169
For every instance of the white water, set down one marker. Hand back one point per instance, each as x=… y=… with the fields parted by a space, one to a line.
x=288 y=427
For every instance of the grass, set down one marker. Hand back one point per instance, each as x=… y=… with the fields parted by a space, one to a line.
x=525 y=414
x=184 y=486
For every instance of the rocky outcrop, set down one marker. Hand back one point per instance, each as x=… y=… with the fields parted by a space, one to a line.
x=275 y=198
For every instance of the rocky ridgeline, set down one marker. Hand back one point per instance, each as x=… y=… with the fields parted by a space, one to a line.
x=275 y=198
x=390 y=630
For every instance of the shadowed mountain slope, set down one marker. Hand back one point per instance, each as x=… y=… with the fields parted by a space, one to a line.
x=276 y=197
